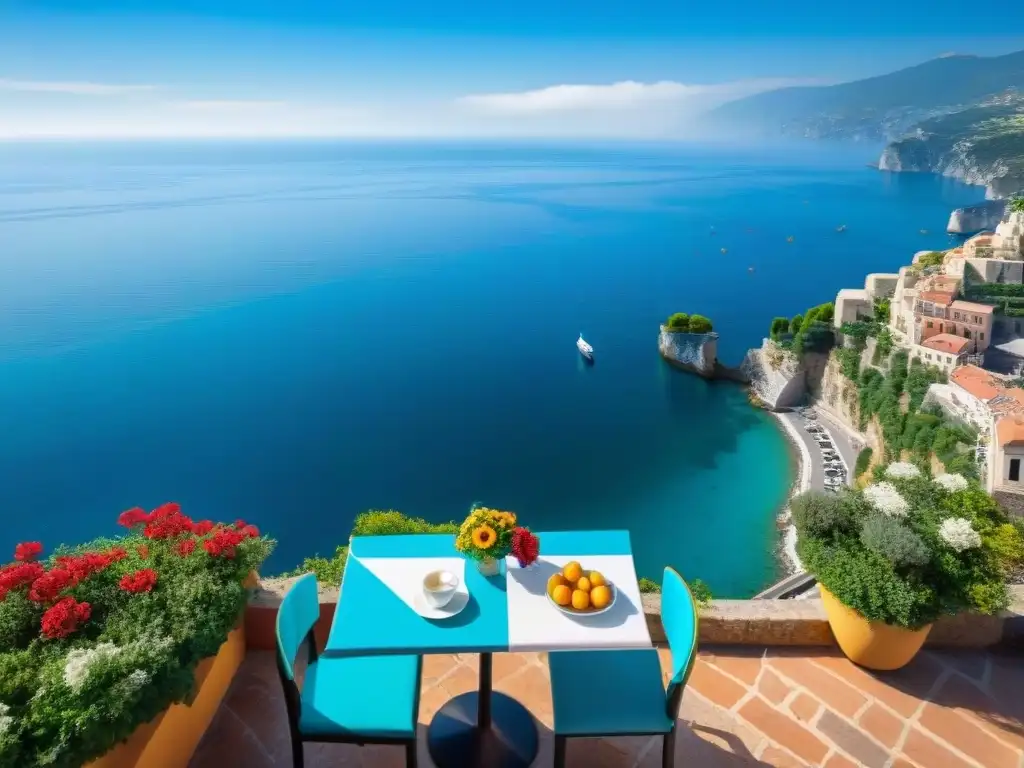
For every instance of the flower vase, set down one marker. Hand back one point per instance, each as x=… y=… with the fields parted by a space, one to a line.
x=488 y=566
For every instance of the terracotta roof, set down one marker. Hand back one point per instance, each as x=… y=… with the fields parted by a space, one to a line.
x=947 y=342
x=976 y=381
x=937 y=297
x=1010 y=430
x=970 y=306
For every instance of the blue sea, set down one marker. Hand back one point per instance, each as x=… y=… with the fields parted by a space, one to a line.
x=291 y=333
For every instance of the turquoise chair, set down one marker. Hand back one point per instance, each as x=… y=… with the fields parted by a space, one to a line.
x=620 y=693
x=358 y=700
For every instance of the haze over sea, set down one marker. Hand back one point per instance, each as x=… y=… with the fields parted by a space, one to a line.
x=291 y=333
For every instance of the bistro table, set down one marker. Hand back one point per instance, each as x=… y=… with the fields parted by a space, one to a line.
x=508 y=612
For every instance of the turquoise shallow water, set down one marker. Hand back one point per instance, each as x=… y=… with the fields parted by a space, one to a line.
x=292 y=333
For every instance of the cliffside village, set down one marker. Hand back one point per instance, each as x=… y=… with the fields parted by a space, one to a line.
x=962 y=311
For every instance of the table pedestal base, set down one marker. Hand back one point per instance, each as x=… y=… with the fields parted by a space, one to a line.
x=455 y=741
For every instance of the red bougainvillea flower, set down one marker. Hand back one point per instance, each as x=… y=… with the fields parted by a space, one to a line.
x=202 y=528
x=251 y=531
x=28 y=551
x=525 y=546
x=167 y=522
x=65 y=617
x=140 y=581
x=240 y=524
x=132 y=517
x=143 y=551
x=223 y=542
x=84 y=565
x=117 y=554
x=186 y=547
x=47 y=588
x=19 y=575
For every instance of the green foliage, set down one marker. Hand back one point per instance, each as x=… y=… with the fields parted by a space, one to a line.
x=984 y=290
x=71 y=698
x=374 y=522
x=883 y=345
x=700 y=324
x=900 y=569
x=680 y=322
x=648 y=586
x=932 y=259
x=795 y=324
x=882 y=310
x=780 y=327
x=1016 y=204
x=858 y=330
x=822 y=513
x=863 y=461
x=849 y=361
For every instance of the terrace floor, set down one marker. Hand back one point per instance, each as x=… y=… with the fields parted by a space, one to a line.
x=765 y=707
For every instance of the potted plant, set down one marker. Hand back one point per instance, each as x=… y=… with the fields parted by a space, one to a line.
x=489 y=535
x=893 y=557
x=99 y=643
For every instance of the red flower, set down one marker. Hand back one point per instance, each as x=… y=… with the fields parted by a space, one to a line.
x=143 y=551
x=15 y=576
x=240 y=524
x=140 y=581
x=223 y=543
x=186 y=547
x=132 y=517
x=167 y=522
x=48 y=586
x=84 y=565
x=251 y=531
x=27 y=551
x=117 y=554
x=525 y=546
x=63 y=618
x=202 y=528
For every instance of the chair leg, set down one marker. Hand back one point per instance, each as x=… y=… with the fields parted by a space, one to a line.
x=560 y=744
x=668 y=750
x=410 y=755
x=297 y=758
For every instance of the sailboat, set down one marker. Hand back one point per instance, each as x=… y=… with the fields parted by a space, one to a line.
x=585 y=349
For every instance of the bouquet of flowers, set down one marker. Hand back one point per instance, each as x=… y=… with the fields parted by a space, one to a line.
x=488 y=535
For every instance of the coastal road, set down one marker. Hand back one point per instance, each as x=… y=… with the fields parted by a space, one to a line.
x=840 y=439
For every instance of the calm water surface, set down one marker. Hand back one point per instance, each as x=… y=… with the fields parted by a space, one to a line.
x=292 y=333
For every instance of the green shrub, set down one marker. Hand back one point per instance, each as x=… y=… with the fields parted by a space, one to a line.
x=858 y=330
x=883 y=345
x=699 y=324
x=780 y=326
x=104 y=636
x=795 y=324
x=822 y=513
x=680 y=321
x=648 y=586
x=920 y=551
x=849 y=362
x=863 y=461
x=1016 y=204
x=700 y=591
x=933 y=259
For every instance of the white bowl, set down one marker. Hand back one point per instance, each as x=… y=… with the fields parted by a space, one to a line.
x=568 y=610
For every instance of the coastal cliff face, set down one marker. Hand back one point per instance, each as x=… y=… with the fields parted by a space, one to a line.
x=696 y=352
x=838 y=395
x=778 y=378
x=976 y=218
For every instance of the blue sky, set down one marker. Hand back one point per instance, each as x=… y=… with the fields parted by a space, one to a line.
x=446 y=67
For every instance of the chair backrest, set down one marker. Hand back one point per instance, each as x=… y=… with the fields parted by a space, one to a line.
x=680 y=620
x=299 y=611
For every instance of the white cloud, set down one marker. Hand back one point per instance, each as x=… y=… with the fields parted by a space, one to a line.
x=624 y=95
x=228 y=105
x=72 y=88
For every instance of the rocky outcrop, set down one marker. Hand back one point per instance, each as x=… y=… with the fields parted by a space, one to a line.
x=778 y=378
x=976 y=218
x=694 y=352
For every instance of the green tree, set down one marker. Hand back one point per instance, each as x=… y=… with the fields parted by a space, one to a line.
x=795 y=324
x=699 y=324
x=780 y=326
x=1016 y=204
x=680 y=321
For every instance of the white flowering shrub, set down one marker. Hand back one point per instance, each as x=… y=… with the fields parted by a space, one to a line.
x=902 y=470
x=958 y=533
x=5 y=719
x=952 y=483
x=76 y=667
x=886 y=499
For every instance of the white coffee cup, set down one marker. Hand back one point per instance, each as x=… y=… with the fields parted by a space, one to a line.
x=439 y=588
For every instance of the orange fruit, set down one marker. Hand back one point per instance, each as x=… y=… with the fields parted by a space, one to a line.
x=596 y=579
x=572 y=572
x=556 y=580
x=583 y=584
x=600 y=597
x=580 y=600
x=561 y=594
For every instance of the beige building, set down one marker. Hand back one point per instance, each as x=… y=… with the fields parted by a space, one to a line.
x=944 y=351
x=853 y=304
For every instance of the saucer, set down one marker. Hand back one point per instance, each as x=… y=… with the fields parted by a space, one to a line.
x=459 y=601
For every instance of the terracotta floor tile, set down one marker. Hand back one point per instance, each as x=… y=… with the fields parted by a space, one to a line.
x=437 y=665
x=715 y=686
x=969 y=737
x=881 y=724
x=531 y=687
x=505 y=664
x=784 y=730
x=840 y=696
x=431 y=700
x=851 y=740
x=805 y=707
x=840 y=761
x=928 y=753
x=595 y=753
x=780 y=759
x=773 y=688
x=896 y=699
x=740 y=663
x=461 y=680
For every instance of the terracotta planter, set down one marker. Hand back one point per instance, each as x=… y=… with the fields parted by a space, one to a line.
x=170 y=739
x=871 y=644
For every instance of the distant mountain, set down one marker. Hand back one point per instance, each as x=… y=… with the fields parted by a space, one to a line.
x=878 y=108
x=980 y=145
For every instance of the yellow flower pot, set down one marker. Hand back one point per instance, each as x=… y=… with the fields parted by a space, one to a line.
x=169 y=740
x=871 y=644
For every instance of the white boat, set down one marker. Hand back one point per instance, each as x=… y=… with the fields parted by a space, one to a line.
x=585 y=349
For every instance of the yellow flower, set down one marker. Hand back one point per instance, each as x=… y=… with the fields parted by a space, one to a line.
x=507 y=519
x=484 y=537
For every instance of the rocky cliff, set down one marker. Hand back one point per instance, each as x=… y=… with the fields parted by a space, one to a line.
x=778 y=378
x=695 y=352
x=976 y=218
